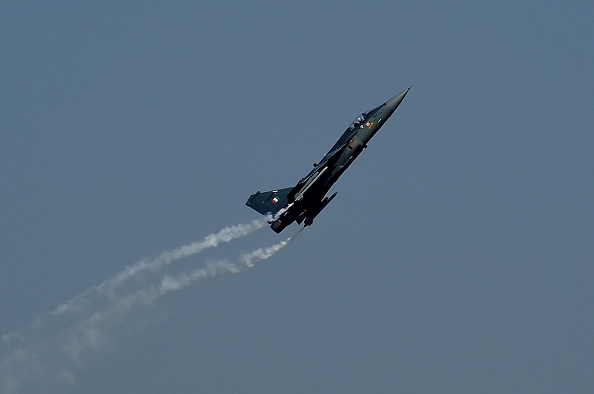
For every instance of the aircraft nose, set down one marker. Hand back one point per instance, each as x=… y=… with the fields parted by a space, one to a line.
x=395 y=101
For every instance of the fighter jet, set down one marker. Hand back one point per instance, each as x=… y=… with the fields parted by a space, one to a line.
x=303 y=202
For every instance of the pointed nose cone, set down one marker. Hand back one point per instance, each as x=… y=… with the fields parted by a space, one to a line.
x=395 y=101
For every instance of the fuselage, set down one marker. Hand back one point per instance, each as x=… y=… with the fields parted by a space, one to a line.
x=305 y=201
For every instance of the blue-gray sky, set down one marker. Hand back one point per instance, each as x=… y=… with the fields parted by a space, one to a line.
x=457 y=256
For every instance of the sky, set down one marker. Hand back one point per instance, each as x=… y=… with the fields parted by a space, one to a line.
x=456 y=257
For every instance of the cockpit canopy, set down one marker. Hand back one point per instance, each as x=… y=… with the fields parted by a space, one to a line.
x=358 y=121
x=351 y=130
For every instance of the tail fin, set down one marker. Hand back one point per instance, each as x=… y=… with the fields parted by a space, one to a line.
x=269 y=202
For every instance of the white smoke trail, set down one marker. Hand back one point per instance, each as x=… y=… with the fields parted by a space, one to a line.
x=215 y=268
x=64 y=341
x=110 y=286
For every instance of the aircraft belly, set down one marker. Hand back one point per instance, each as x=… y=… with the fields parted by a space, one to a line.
x=354 y=148
x=312 y=182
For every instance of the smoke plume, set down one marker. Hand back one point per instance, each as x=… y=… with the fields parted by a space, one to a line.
x=66 y=340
